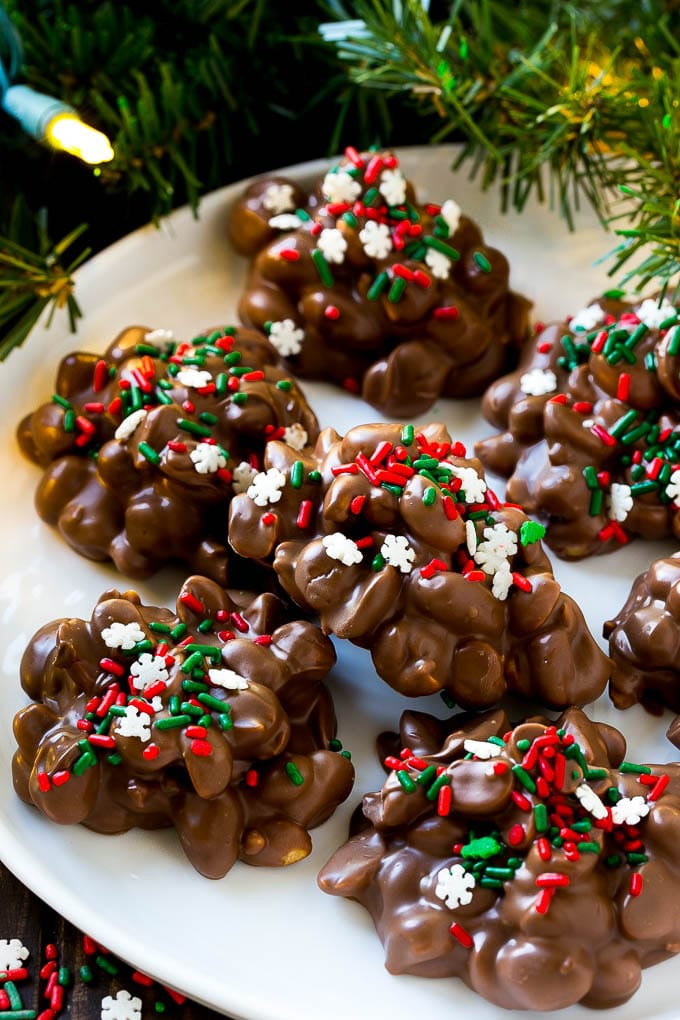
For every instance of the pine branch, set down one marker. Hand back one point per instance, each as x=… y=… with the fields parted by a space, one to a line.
x=542 y=104
x=33 y=280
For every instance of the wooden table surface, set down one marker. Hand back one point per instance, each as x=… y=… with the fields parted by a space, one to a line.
x=23 y=916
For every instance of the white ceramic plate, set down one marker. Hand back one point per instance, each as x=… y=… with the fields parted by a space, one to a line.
x=260 y=945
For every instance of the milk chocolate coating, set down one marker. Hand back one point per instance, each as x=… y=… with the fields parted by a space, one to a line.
x=463 y=888
x=244 y=771
x=434 y=617
x=644 y=640
x=454 y=328
x=141 y=500
x=593 y=456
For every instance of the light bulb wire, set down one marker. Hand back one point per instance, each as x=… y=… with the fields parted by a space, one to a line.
x=11 y=52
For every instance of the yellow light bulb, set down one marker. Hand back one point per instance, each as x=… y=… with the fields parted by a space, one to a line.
x=68 y=132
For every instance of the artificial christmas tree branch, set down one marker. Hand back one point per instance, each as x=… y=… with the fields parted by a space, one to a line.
x=544 y=102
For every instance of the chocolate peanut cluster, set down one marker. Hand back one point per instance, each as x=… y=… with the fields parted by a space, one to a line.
x=212 y=719
x=591 y=426
x=358 y=282
x=143 y=446
x=644 y=640
x=392 y=536
x=532 y=862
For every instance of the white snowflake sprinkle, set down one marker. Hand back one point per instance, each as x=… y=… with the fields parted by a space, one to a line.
x=159 y=337
x=123 y=1007
x=451 y=213
x=12 y=954
x=130 y=424
x=473 y=486
x=471 y=537
x=122 y=635
x=194 y=378
x=228 y=679
x=340 y=187
x=284 y=221
x=242 y=476
x=147 y=670
x=673 y=487
x=341 y=548
x=502 y=582
x=498 y=546
x=620 y=501
x=295 y=436
x=332 y=244
x=286 y=337
x=653 y=314
x=266 y=487
x=439 y=264
x=538 y=382
x=392 y=187
x=454 y=886
x=278 y=198
x=482 y=748
x=629 y=810
x=207 y=458
x=134 y=724
x=587 y=319
x=590 y=801
x=398 y=553
x=376 y=239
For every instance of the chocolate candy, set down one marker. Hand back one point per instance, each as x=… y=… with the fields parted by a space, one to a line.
x=644 y=640
x=393 y=537
x=212 y=719
x=533 y=863
x=357 y=282
x=591 y=427
x=144 y=446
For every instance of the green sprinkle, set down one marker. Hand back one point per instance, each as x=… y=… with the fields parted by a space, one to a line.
x=194 y=686
x=346 y=754
x=233 y=357
x=674 y=343
x=189 y=709
x=159 y=628
x=443 y=780
x=178 y=631
x=303 y=215
x=498 y=741
x=490 y=883
x=429 y=495
x=636 y=770
x=240 y=398
x=193 y=427
x=377 y=287
x=481 y=261
x=503 y=873
x=590 y=475
x=62 y=401
x=69 y=421
x=86 y=974
x=149 y=452
x=595 y=774
x=524 y=778
x=173 y=722
x=615 y=294
x=208 y=418
x=530 y=532
x=225 y=721
x=622 y=424
x=596 y=499
x=205 y=720
x=193 y=660
x=350 y=219
x=173 y=704
x=613 y=861
x=64 y=976
x=406 y=781
x=631 y=858
x=641 y=487
x=583 y=826
x=445 y=249
x=378 y=562
x=613 y=795
x=297 y=474
x=314 y=476
x=427 y=775
x=371 y=195
x=447 y=699
x=294 y=774
x=523 y=745
x=114 y=759
x=116 y=710
x=242 y=370
x=211 y=651
x=106 y=964
x=84 y=762
x=407 y=435
x=541 y=817
x=159 y=1006
x=205 y=626
x=19 y=1014
x=322 y=268
x=210 y=701
x=637 y=335
x=397 y=289
x=14 y=997
x=284 y=384
x=588 y=848
x=481 y=849
x=334 y=744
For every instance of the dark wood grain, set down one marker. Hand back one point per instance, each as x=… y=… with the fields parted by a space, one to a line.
x=24 y=916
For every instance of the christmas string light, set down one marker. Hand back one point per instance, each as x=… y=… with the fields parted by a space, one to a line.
x=45 y=118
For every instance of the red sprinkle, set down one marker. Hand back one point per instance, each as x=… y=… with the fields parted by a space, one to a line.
x=446 y=312
x=141 y=979
x=263 y=639
x=582 y=406
x=552 y=879
x=176 y=446
x=544 y=347
x=201 y=748
x=289 y=254
x=521 y=801
x=461 y=935
x=351 y=385
x=658 y=788
x=252 y=777
x=47 y=969
x=623 y=387
x=560 y=398
x=43 y=782
x=375 y=165
x=354 y=157
x=500 y=768
x=516 y=835
x=191 y=602
x=450 y=509
x=150 y=752
x=444 y=801
x=176 y=996
x=357 y=504
x=268 y=518
x=331 y=312
x=61 y=777
x=304 y=514
x=101 y=376
x=635 y=884
x=521 y=582
x=89 y=945
x=603 y=435
x=543 y=847
x=543 y=900
x=240 y=623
